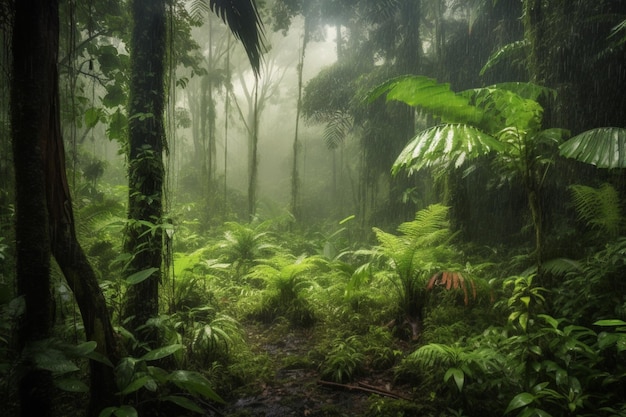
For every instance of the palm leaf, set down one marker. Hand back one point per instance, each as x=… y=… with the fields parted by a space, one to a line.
x=450 y=144
x=427 y=94
x=337 y=128
x=604 y=147
x=512 y=50
x=242 y=17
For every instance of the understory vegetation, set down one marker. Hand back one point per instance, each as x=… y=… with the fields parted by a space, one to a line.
x=457 y=330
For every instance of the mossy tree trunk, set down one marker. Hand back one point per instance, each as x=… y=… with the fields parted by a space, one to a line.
x=145 y=157
x=45 y=221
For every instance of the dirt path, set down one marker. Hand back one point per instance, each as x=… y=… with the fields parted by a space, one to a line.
x=296 y=390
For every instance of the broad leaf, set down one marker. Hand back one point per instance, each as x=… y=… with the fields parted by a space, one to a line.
x=429 y=95
x=604 y=147
x=519 y=401
x=450 y=144
x=123 y=411
x=459 y=377
x=161 y=352
x=184 y=403
x=610 y=322
x=71 y=385
x=140 y=276
x=196 y=384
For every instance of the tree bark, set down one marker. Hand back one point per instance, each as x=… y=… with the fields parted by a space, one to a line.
x=42 y=190
x=34 y=60
x=145 y=160
x=77 y=270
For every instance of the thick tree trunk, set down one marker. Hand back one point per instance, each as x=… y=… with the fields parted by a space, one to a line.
x=145 y=163
x=34 y=58
x=45 y=218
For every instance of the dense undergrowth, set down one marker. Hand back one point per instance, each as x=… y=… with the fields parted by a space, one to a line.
x=464 y=333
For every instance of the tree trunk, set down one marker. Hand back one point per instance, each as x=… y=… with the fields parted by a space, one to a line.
x=295 y=180
x=253 y=153
x=145 y=160
x=34 y=67
x=36 y=114
x=73 y=262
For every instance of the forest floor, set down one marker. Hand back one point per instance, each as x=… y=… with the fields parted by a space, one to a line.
x=295 y=388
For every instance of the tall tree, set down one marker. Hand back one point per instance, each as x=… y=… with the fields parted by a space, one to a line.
x=34 y=67
x=146 y=142
x=147 y=139
x=45 y=221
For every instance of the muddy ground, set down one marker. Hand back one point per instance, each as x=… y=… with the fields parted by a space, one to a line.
x=295 y=388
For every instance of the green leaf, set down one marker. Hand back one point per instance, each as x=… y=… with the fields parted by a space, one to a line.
x=511 y=50
x=523 y=320
x=161 y=352
x=54 y=361
x=71 y=385
x=612 y=322
x=123 y=411
x=519 y=401
x=140 y=276
x=92 y=117
x=459 y=377
x=449 y=144
x=136 y=384
x=195 y=384
x=427 y=94
x=604 y=147
x=184 y=403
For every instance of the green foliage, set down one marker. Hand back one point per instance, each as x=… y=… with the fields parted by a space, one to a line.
x=60 y=359
x=604 y=147
x=596 y=289
x=525 y=301
x=344 y=360
x=245 y=245
x=133 y=375
x=599 y=208
x=422 y=248
x=288 y=281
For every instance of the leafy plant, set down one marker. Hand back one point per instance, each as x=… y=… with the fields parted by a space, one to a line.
x=287 y=281
x=244 y=246
x=599 y=208
x=412 y=257
x=134 y=375
x=344 y=360
x=504 y=119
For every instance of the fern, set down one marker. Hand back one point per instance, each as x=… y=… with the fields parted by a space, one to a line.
x=599 y=208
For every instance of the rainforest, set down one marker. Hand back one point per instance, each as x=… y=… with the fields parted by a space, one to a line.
x=248 y=208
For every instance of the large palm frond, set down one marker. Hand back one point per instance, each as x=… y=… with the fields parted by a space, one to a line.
x=430 y=95
x=604 y=147
x=242 y=17
x=450 y=144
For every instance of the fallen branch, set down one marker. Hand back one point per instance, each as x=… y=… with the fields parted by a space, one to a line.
x=363 y=388
x=382 y=390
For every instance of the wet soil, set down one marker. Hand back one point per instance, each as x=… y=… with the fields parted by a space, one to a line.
x=295 y=387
